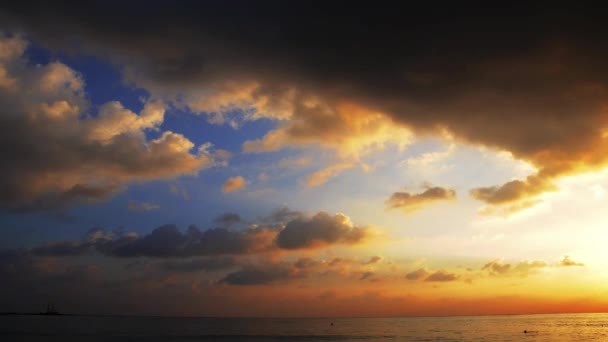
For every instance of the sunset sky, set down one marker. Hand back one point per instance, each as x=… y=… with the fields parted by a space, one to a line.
x=233 y=158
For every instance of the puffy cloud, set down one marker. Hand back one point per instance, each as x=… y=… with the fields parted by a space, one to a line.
x=167 y=242
x=441 y=276
x=512 y=191
x=142 y=206
x=412 y=202
x=566 y=261
x=417 y=274
x=60 y=154
x=297 y=232
x=234 y=184
x=320 y=230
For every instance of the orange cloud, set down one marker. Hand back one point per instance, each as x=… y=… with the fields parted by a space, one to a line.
x=322 y=176
x=234 y=184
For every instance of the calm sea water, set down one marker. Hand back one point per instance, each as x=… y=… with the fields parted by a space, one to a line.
x=562 y=327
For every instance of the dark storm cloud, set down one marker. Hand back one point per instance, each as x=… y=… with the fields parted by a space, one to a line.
x=320 y=230
x=527 y=78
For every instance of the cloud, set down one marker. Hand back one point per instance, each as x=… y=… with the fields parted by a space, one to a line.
x=521 y=269
x=367 y=275
x=349 y=129
x=306 y=263
x=512 y=191
x=441 y=276
x=281 y=215
x=168 y=241
x=413 y=202
x=61 y=154
x=417 y=274
x=228 y=219
x=320 y=230
x=547 y=79
x=322 y=176
x=260 y=275
x=142 y=206
x=566 y=261
x=373 y=260
x=497 y=267
x=234 y=184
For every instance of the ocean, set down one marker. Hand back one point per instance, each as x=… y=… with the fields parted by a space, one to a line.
x=555 y=327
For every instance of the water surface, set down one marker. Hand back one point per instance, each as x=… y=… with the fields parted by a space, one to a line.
x=559 y=327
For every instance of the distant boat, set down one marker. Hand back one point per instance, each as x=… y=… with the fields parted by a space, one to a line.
x=50 y=310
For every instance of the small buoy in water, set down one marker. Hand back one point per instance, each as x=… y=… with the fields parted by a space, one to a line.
x=525 y=331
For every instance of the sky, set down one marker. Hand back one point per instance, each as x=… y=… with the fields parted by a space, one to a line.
x=232 y=158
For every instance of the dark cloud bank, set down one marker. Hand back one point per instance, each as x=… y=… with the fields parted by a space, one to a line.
x=168 y=241
x=527 y=78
